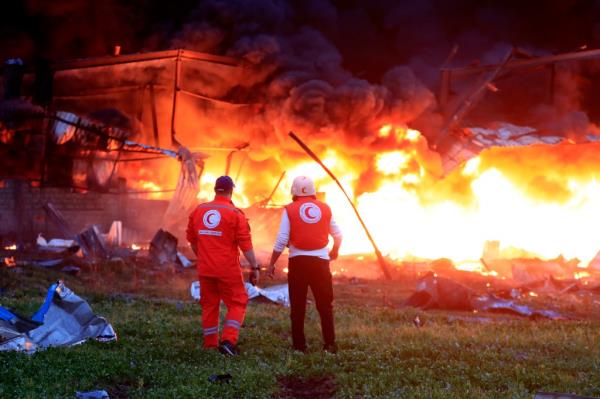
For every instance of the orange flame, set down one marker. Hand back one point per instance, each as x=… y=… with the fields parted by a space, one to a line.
x=10 y=262
x=541 y=201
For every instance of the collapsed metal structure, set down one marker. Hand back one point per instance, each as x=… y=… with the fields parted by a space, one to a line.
x=455 y=144
x=42 y=139
x=90 y=125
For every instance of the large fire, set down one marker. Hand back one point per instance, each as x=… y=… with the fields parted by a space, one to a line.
x=538 y=201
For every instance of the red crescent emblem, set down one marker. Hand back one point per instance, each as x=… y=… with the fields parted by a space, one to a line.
x=307 y=213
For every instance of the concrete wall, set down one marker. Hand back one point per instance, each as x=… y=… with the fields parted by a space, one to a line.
x=22 y=216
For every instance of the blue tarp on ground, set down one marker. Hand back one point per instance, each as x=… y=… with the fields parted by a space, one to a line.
x=64 y=319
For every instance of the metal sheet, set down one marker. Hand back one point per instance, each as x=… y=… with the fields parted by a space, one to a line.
x=67 y=320
x=92 y=395
x=433 y=292
x=277 y=293
x=476 y=139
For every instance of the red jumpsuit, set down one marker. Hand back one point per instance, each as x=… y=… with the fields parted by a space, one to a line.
x=217 y=229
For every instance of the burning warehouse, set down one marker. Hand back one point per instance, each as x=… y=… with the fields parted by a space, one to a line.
x=116 y=137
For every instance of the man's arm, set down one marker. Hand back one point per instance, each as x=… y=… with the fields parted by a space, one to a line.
x=333 y=254
x=254 y=274
x=191 y=235
x=251 y=258
x=280 y=243
x=271 y=269
x=336 y=233
x=244 y=240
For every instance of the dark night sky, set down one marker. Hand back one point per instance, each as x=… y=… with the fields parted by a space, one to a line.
x=372 y=36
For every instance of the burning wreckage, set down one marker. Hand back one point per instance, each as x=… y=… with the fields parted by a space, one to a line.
x=75 y=162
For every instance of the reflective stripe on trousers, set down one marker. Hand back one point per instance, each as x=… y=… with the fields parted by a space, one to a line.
x=210 y=330
x=232 y=323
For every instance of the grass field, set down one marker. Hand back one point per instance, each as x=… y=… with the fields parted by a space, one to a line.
x=382 y=353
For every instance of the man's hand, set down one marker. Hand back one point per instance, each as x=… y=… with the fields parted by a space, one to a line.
x=333 y=254
x=254 y=275
x=271 y=271
x=337 y=242
x=271 y=268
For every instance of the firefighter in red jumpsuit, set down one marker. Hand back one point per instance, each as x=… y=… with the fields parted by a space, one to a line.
x=215 y=231
x=306 y=225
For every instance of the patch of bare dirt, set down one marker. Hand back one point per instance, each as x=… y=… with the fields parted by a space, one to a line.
x=321 y=387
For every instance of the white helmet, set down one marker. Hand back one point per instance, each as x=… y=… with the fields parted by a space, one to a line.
x=303 y=186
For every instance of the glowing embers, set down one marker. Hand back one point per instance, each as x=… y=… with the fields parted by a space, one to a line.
x=151 y=189
x=581 y=275
x=475 y=267
x=10 y=262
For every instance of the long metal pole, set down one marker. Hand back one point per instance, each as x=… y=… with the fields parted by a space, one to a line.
x=382 y=262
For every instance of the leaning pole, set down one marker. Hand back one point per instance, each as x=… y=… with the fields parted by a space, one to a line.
x=380 y=259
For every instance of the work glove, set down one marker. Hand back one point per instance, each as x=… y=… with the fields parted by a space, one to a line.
x=254 y=275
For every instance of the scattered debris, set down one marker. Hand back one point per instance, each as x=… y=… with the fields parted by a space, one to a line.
x=47 y=263
x=434 y=292
x=183 y=260
x=220 y=378
x=114 y=236
x=491 y=303
x=530 y=270
x=163 y=247
x=93 y=244
x=64 y=319
x=92 y=395
x=56 y=244
x=58 y=219
x=195 y=290
x=417 y=322
x=90 y=240
x=275 y=294
x=70 y=269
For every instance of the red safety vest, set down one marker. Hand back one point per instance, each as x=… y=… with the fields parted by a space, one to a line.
x=309 y=223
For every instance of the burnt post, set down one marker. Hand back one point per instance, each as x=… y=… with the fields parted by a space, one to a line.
x=551 y=83
x=380 y=259
x=175 y=91
x=13 y=78
x=154 y=117
x=445 y=87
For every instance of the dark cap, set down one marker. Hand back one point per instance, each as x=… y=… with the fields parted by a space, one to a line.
x=224 y=184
